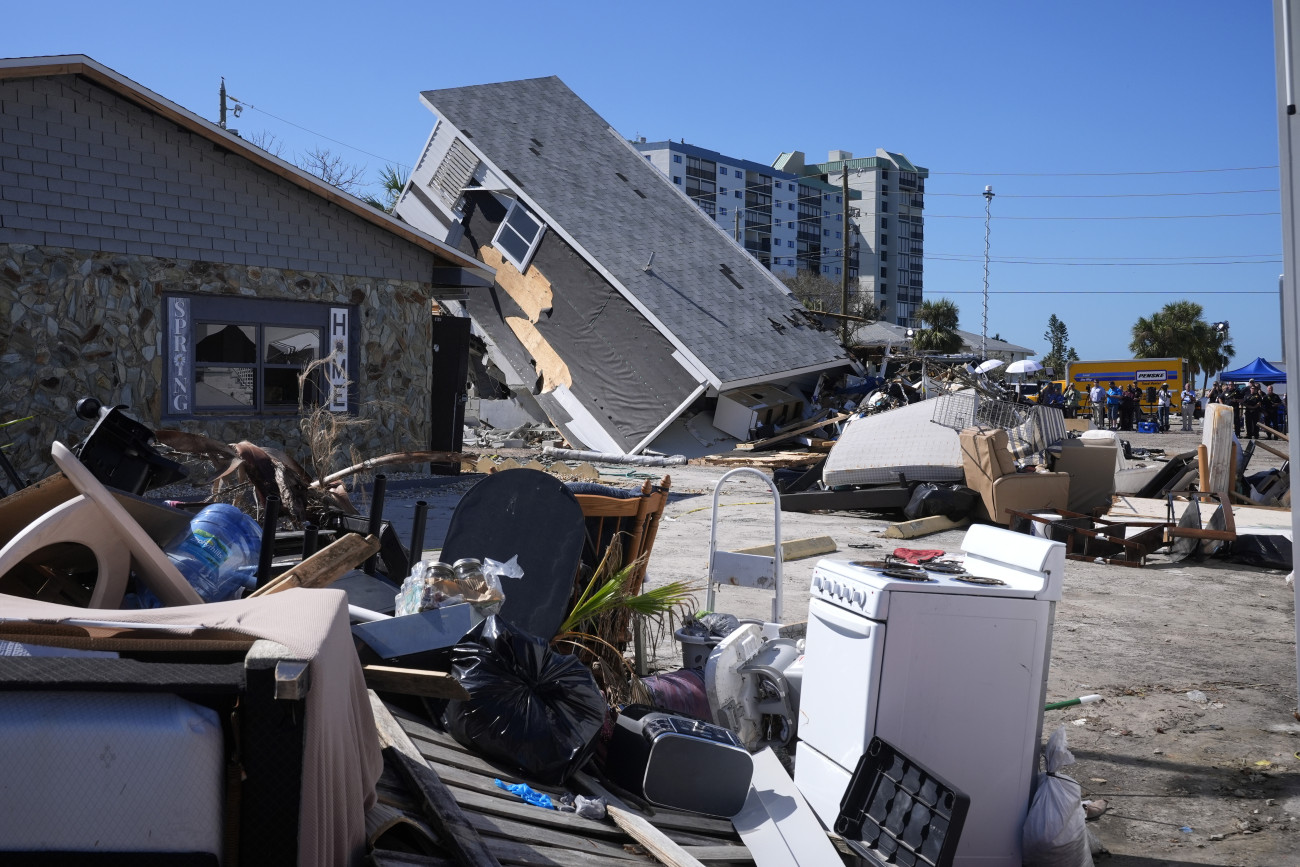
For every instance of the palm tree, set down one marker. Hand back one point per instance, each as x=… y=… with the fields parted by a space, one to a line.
x=392 y=182
x=1179 y=330
x=940 y=332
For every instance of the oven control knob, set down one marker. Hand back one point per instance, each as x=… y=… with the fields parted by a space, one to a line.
x=858 y=598
x=817 y=582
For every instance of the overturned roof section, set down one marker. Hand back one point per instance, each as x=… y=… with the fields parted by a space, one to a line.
x=731 y=322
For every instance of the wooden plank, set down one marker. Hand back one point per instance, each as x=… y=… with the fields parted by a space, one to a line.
x=440 y=808
x=1272 y=450
x=1128 y=508
x=736 y=853
x=510 y=829
x=325 y=566
x=390 y=858
x=789 y=432
x=518 y=810
x=413 y=681
x=443 y=751
x=1277 y=433
x=795 y=549
x=446 y=757
x=639 y=829
x=486 y=784
x=382 y=818
x=515 y=852
x=923 y=527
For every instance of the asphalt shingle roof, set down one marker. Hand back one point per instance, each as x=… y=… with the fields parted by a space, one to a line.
x=718 y=301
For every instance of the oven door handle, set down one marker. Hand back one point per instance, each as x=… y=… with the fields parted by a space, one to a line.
x=840 y=620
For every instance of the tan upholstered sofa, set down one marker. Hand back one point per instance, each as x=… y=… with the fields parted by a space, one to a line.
x=991 y=471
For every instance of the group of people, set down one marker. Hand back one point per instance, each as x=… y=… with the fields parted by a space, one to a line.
x=1117 y=408
x=1123 y=406
x=1251 y=406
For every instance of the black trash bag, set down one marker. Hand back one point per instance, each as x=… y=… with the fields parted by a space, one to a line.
x=529 y=706
x=954 y=503
x=1267 y=551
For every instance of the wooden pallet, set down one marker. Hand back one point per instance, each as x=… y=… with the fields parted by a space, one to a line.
x=432 y=783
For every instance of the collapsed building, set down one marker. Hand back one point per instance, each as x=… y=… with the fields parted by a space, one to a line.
x=618 y=306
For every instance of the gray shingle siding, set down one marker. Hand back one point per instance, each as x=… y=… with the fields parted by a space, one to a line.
x=80 y=163
x=741 y=329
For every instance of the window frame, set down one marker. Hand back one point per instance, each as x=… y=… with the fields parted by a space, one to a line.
x=521 y=263
x=335 y=326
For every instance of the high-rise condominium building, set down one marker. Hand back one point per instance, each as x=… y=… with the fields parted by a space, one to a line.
x=792 y=216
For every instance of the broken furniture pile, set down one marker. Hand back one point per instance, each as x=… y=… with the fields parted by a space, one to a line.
x=71 y=542
x=1197 y=504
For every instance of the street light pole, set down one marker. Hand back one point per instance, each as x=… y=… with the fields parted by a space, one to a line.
x=984 y=327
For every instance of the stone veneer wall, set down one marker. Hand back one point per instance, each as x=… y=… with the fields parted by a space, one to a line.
x=75 y=323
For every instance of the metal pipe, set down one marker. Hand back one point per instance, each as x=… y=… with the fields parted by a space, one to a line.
x=672 y=417
x=417 y=532
x=376 y=517
x=270 y=518
x=310 y=538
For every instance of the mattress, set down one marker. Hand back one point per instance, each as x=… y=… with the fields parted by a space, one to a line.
x=876 y=449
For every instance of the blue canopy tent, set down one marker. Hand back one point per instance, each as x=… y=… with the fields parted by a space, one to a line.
x=1258 y=370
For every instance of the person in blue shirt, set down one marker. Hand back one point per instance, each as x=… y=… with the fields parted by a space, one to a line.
x=1113 y=399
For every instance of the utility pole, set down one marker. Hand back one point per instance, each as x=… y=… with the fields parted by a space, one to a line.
x=844 y=253
x=739 y=211
x=984 y=332
x=222 y=122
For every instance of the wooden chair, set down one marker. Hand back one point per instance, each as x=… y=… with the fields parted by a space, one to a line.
x=610 y=512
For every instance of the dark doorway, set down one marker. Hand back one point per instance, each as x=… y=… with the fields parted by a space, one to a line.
x=447 y=400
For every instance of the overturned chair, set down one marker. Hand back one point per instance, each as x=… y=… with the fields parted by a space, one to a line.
x=991 y=471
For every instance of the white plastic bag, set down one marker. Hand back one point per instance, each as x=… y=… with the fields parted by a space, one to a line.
x=1054 y=833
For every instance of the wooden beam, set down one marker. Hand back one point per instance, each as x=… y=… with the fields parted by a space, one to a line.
x=795 y=549
x=1277 y=433
x=1272 y=450
x=325 y=566
x=923 y=527
x=789 y=432
x=413 y=681
x=440 y=808
x=654 y=840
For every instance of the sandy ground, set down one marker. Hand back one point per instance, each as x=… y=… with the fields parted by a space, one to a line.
x=1208 y=778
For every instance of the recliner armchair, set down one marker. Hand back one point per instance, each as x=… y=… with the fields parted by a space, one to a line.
x=991 y=470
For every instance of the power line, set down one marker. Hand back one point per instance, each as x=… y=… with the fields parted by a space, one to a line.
x=1099 y=195
x=1132 y=258
x=1103 y=174
x=940 y=292
x=398 y=163
x=1106 y=264
x=1134 y=217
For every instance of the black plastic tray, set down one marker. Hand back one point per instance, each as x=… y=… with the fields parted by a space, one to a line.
x=897 y=812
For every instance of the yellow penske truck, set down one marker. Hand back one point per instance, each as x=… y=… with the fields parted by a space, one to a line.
x=1148 y=373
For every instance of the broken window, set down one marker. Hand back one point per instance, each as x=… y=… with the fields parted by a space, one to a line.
x=518 y=235
x=252 y=367
x=245 y=356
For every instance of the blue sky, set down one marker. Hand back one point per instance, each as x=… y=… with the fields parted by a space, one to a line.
x=1118 y=112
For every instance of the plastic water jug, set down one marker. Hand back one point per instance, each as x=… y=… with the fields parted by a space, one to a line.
x=219 y=554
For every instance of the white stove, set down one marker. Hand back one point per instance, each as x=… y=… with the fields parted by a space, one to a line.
x=949 y=667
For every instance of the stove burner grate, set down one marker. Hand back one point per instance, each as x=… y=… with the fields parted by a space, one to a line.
x=975 y=579
x=946 y=567
x=906 y=574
